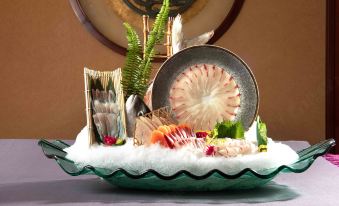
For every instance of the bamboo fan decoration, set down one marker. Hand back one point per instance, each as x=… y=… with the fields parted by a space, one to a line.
x=149 y=122
x=105 y=105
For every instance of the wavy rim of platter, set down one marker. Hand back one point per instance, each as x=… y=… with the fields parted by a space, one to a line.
x=323 y=148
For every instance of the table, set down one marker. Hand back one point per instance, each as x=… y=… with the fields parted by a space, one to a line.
x=27 y=177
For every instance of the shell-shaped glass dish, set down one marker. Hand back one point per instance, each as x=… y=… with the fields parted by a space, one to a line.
x=183 y=180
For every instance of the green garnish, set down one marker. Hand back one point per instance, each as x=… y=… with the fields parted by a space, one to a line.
x=234 y=130
x=120 y=141
x=237 y=131
x=261 y=135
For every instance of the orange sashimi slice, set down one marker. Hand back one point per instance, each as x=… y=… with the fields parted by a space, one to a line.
x=173 y=127
x=158 y=137
x=168 y=128
x=164 y=129
x=185 y=128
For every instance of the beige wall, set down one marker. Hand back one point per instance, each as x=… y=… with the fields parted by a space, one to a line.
x=43 y=49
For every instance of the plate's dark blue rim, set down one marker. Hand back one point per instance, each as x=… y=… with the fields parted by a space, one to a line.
x=326 y=145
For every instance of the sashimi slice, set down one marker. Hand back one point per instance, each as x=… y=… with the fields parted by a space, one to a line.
x=203 y=95
x=158 y=137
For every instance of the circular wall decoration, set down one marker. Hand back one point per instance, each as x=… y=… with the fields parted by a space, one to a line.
x=151 y=7
x=131 y=13
x=104 y=18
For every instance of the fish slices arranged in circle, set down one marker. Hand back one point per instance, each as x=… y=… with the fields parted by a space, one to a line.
x=203 y=95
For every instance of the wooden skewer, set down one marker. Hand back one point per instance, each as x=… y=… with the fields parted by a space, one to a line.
x=169 y=37
x=145 y=19
x=88 y=97
x=168 y=44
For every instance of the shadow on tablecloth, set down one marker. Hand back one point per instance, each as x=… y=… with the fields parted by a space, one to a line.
x=94 y=190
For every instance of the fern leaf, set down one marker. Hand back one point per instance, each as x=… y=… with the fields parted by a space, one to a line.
x=137 y=70
x=156 y=35
x=131 y=71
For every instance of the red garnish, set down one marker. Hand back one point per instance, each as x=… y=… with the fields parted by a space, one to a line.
x=210 y=150
x=201 y=134
x=108 y=140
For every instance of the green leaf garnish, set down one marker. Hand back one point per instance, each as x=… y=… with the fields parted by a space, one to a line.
x=120 y=141
x=237 y=131
x=261 y=135
x=234 y=130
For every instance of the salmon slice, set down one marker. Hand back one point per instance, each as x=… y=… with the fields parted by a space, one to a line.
x=158 y=137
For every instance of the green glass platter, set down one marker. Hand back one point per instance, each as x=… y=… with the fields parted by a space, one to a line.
x=183 y=180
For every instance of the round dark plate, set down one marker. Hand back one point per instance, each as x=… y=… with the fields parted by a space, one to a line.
x=209 y=54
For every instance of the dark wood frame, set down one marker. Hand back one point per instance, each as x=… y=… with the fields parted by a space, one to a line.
x=332 y=71
x=223 y=27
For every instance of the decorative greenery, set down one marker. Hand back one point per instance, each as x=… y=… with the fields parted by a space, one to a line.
x=234 y=130
x=261 y=135
x=137 y=69
x=131 y=71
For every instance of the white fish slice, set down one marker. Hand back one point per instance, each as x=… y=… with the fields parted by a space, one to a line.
x=106 y=113
x=111 y=96
x=114 y=108
x=98 y=125
x=112 y=127
x=102 y=122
